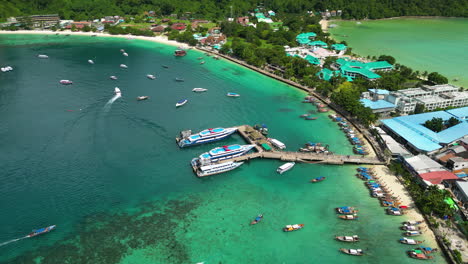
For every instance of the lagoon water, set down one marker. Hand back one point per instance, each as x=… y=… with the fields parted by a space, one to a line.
x=425 y=44
x=119 y=189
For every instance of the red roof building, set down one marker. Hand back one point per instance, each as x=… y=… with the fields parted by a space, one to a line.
x=436 y=177
x=158 y=29
x=79 y=25
x=178 y=26
x=243 y=20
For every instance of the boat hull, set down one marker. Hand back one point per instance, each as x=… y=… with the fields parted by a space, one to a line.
x=182 y=143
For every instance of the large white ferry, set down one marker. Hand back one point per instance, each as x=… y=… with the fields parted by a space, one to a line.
x=217 y=168
x=205 y=136
x=222 y=153
x=285 y=167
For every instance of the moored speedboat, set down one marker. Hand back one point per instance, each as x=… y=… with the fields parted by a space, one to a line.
x=117 y=91
x=6 y=69
x=212 y=169
x=125 y=54
x=277 y=143
x=225 y=152
x=199 y=90
x=257 y=219
x=41 y=231
x=354 y=238
x=113 y=77
x=66 y=82
x=123 y=66
x=179 y=80
x=122 y=50
x=285 y=167
x=208 y=135
x=151 y=76
x=165 y=66
x=304 y=115
x=141 y=98
x=409 y=241
x=90 y=61
x=353 y=252
x=202 y=62
x=42 y=56
x=318 y=179
x=233 y=94
x=181 y=102
x=290 y=228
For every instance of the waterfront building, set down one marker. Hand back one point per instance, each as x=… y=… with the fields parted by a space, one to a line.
x=395 y=148
x=354 y=68
x=340 y=48
x=317 y=43
x=431 y=97
x=40 y=21
x=410 y=131
x=427 y=171
x=378 y=106
x=305 y=38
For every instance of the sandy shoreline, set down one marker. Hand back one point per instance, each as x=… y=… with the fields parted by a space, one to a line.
x=157 y=39
x=398 y=190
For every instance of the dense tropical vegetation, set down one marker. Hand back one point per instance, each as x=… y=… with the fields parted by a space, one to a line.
x=437 y=124
x=220 y=9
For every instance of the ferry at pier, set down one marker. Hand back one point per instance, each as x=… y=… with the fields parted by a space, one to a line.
x=205 y=136
x=224 y=152
x=207 y=170
x=285 y=167
x=277 y=143
x=41 y=231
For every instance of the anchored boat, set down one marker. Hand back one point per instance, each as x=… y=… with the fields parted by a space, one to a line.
x=205 y=136
x=180 y=53
x=123 y=66
x=199 y=90
x=353 y=252
x=42 y=56
x=233 y=94
x=66 y=82
x=318 y=179
x=90 y=61
x=113 y=77
x=346 y=210
x=141 y=98
x=225 y=152
x=285 y=167
x=181 y=102
x=409 y=241
x=41 y=231
x=257 y=219
x=212 y=169
x=354 y=238
x=290 y=228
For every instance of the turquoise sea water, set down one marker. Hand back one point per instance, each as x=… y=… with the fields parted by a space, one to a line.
x=119 y=189
x=423 y=44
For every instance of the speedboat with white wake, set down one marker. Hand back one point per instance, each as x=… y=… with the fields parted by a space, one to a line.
x=224 y=152
x=199 y=90
x=285 y=167
x=117 y=91
x=206 y=170
x=41 y=231
x=66 y=82
x=186 y=138
x=181 y=102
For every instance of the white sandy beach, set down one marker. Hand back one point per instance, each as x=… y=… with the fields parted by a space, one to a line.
x=158 y=39
x=398 y=190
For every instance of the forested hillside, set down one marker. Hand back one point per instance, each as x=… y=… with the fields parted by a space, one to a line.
x=218 y=9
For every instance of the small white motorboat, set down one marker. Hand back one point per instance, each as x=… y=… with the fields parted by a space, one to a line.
x=122 y=50
x=181 y=102
x=125 y=54
x=113 y=77
x=285 y=167
x=141 y=98
x=91 y=61
x=6 y=69
x=151 y=76
x=277 y=143
x=42 y=56
x=199 y=90
x=233 y=94
x=123 y=66
x=117 y=91
x=66 y=82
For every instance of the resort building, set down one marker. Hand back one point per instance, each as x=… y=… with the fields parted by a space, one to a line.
x=351 y=69
x=340 y=48
x=428 y=171
x=305 y=38
x=375 y=100
x=40 y=21
x=409 y=130
x=431 y=97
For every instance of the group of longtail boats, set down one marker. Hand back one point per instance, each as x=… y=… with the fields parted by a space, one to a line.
x=322 y=108
x=358 y=147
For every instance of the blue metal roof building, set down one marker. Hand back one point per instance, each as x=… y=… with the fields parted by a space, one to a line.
x=375 y=105
x=421 y=139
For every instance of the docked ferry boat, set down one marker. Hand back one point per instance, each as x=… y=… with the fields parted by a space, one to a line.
x=205 y=136
x=207 y=170
x=224 y=152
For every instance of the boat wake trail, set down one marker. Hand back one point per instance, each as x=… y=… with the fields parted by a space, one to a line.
x=11 y=241
x=108 y=105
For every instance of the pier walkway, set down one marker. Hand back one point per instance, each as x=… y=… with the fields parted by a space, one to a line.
x=254 y=137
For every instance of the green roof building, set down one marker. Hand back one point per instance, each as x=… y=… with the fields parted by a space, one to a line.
x=304 y=38
x=339 y=47
x=318 y=43
x=355 y=68
x=312 y=60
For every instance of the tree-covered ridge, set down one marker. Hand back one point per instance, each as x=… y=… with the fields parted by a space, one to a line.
x=219 y=9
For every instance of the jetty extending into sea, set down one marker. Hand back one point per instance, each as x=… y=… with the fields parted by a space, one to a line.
x=265 y=150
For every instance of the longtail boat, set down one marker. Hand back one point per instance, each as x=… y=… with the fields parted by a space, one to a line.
x=412 y=222
x=354 y=238
x=348 y=217
x=290 y=228
x=410 y=228
x=318 y=179
x=412 y=233
x=409 y=241
x=346 y=210
x=354 y=252
x=257 y=219
x=418 y=254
